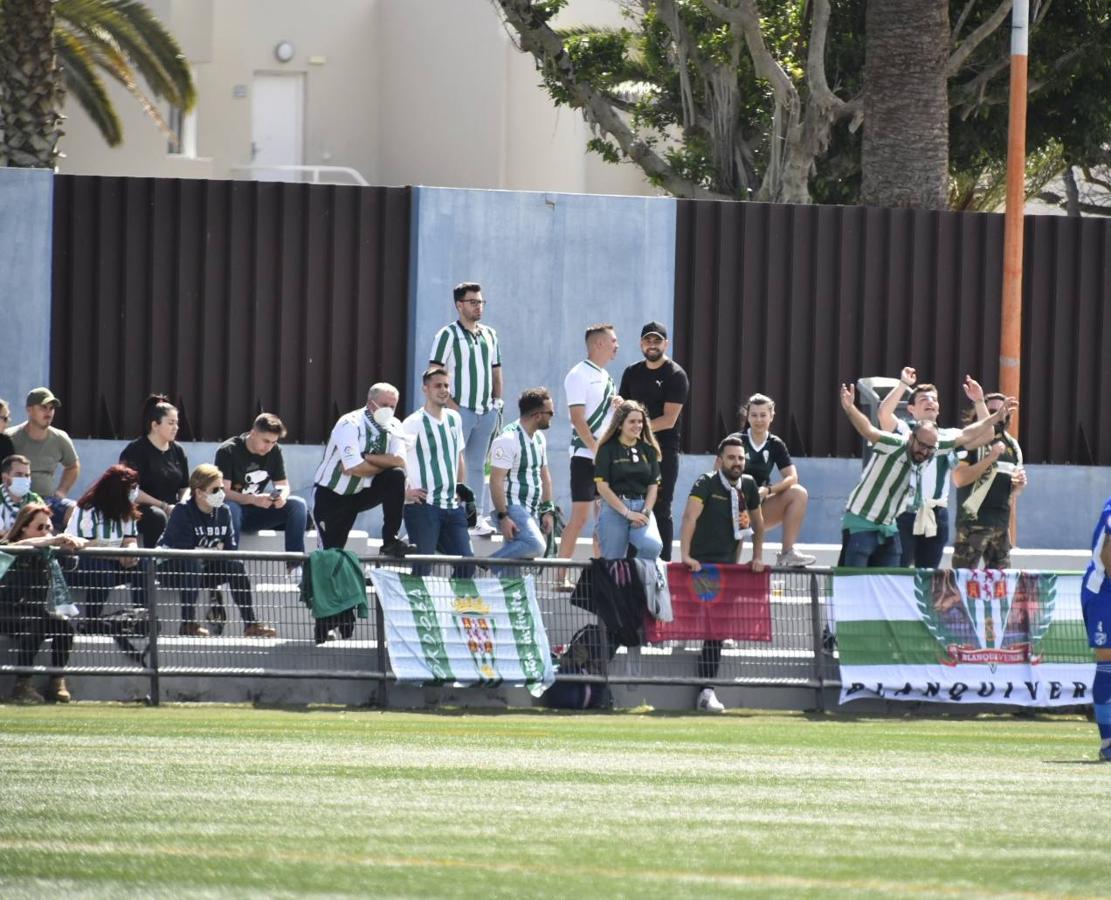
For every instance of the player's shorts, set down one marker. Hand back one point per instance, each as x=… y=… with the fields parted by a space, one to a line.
x=1097 y=618
x=582 y=480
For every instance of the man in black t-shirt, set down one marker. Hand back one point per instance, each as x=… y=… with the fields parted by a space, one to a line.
x=256 y=486
x=721 y=506
x=662 y=386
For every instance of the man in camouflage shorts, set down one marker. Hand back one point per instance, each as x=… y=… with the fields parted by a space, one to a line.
x=989 y=480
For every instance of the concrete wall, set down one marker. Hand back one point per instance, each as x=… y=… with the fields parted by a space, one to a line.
x=26 y=197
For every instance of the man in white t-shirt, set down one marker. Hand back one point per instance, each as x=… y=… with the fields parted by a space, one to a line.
x=591 y=398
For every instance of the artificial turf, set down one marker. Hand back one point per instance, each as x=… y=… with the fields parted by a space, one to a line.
x=224 y=801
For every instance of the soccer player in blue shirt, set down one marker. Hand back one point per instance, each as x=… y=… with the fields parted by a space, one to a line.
x=1095 y=598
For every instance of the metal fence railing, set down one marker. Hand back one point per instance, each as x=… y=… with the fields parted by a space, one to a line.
x=163 y=614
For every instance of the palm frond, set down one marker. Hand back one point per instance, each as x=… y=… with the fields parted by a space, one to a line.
x=575 y=31
x=139 y=37
x=82 y=81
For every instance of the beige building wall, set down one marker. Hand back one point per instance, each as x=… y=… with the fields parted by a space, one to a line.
x=428 y=92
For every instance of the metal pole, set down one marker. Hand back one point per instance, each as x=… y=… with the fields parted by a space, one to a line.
x=1010 y=337
x=152 y=629
x=816 y=641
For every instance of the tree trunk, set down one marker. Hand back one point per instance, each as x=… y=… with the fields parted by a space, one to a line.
x=31 y=90
x=905 y=151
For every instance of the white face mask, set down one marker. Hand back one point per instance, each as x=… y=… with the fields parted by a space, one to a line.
x=216 y=499
x=21 y=485
x=133 y=494
x=383 y=416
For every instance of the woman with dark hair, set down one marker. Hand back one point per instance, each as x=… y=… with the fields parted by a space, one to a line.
x=162 y=466
x=627 y=475
x=26 y=610
x=106 y=516
x=6 y=446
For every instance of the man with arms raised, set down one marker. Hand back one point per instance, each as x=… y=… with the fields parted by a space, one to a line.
x=924 y=531
x=872 y=537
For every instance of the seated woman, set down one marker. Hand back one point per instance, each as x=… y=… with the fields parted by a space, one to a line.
x=783 y=503
x=627 y=474
x=106 y=516
x=203 y=523
x=162 y=466
x=26 y=609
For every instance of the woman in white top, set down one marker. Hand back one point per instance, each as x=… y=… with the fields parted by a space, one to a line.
x=106 y=516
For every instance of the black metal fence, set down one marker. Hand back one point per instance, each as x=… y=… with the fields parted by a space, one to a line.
x=161 y=614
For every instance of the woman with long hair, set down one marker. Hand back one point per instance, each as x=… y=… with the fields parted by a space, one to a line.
x=784 y=502
x=162 y=466
x=26 y=613
x=627 y=475
x=106 y=516
x=203 y=522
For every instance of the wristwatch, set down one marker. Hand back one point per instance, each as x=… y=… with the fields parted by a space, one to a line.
x=500 y=515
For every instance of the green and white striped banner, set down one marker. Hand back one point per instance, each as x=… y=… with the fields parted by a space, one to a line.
x=465 y=630
x=964 y=636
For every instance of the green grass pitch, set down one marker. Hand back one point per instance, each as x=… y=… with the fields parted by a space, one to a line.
x=224 y=801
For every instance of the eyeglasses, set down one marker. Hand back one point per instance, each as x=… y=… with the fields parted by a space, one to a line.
x=929 y=448
x=474 y=302
x=5 y=418
x=42 y=526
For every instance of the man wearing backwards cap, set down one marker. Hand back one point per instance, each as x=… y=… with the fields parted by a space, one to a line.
x=662 y=386
x=47 y=447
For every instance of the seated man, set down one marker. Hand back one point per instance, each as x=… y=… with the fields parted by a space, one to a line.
x=363 y=467
x=47 y=447
x=256 y=485
x=15 y=489
x=520 y=484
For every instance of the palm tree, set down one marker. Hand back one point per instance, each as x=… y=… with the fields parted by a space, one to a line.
x=51 y=47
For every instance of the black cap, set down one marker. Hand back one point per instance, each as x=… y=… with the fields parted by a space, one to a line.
x=654 y=328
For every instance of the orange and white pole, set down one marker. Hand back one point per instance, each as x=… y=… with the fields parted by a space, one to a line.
x=1010 y=336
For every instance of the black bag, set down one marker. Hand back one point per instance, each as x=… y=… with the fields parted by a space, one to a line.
x=588 y=653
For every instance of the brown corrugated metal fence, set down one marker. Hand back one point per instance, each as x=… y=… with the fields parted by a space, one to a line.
x=792 y=300
x=228 y=296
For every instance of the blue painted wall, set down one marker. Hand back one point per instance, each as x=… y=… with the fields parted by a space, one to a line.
x=26 y=215
x=549 y=265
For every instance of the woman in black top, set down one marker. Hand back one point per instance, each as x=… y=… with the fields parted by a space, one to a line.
x=162 y=466
x=783 y=503
x=26 y=613
x=627 y=475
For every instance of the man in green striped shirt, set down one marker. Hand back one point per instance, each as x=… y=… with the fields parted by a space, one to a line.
x=363 y=467
x=434 y=517
x=883 y=490
x=520 y=483
x=471 y=354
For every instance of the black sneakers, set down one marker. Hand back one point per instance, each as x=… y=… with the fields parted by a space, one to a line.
x=397 y=548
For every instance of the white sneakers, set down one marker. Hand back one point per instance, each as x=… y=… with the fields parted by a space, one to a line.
x=793 y=558
x=708 y=702
x=483 y=528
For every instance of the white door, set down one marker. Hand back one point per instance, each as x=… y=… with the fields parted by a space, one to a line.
x=277 y=122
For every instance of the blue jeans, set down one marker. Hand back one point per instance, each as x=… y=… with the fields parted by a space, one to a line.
x=615 y=533
x=437 y=530
x=871 y=550
x=290 y=519
x=59 y=509
x=919 y=551
x=529 y=542
x=478 y=432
